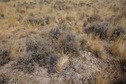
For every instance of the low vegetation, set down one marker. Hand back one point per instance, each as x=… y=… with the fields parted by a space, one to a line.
x=62 y=42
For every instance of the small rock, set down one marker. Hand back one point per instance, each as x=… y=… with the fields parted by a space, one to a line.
x=76 y=76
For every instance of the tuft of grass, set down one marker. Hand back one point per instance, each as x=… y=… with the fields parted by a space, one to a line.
x=5 y=34
x=100 y=79
x=12 y=21
x=119 y=47
x=97 y=47
x=15 y=50
x=61 y=62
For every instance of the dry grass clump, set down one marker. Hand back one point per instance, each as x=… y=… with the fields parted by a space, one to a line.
x=118 y=47
x=61 y=62
x=97 y=47
x=100 y=79
x=16 y=48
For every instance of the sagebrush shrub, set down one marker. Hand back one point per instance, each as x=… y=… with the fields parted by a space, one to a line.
x=97 y=29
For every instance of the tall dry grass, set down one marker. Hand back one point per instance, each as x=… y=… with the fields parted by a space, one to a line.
x=119 y=47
